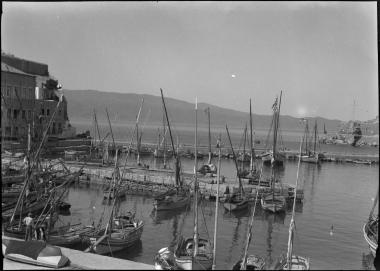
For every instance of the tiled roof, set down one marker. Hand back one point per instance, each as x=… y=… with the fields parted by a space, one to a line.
x=5 y=67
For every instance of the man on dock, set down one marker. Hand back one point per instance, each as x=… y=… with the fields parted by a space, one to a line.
x=29 y=227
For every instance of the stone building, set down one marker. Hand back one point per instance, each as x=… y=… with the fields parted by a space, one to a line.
x=29 y=95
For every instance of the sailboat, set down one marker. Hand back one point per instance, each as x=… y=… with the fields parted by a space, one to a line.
x=209 y=167
x=194 y=253
x=310 y=156
x=122 y=230
x=180 y=197
x=254 y=174
x=274 y=156
x=291 y=261
x=371 y=228
x=250 y=262
x=236 y=201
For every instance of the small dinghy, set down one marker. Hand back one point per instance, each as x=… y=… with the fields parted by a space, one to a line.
x=34 y=252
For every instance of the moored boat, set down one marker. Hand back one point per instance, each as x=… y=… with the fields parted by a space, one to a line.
x=34 y=252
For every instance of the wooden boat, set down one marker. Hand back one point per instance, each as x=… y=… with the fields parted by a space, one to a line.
x=193 y=253
x=239 y=201
x=273 y=203
x=34 y=252
x=236 y=203
x=164 y=260
x=125 y=232
x=274 y=156
x=172 y=202
x=253 y=263
x=184 y=254
x=291 y=261
x=310 y=156
x=181 y=197
x=34 y=207
x=296 y=263
x=208 y=168
x=370 y=231
x=371 y=228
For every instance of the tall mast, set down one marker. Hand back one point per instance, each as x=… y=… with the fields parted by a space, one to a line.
x=306 y=136
x=292 y=224
x=276 y=123
x=209 y=136
x=109 y=123
x=163 y=120
x=177 y=161
x=138 y=138
x=315 y=135
x=236 y=165
x=196 y=187
x=218 y=145
x=252 y=147
x=245 y=139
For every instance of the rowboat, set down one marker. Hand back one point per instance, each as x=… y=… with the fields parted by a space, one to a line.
x=273 y=203
x=370 y=231
x=253 y=263
x=34 y=252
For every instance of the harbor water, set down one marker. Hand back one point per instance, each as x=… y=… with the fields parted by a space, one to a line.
x=329 y=224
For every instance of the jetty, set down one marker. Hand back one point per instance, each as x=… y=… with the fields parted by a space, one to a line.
x=81 y=260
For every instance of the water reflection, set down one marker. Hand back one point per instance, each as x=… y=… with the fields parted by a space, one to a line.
x=270 y=218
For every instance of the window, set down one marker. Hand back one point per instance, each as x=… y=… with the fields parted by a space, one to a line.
x=17 y=93
x=9 y=90
x=8 y=131
x=47 y=112
x=31 y=93
x=23 y=114
x=42 y=111
x=24 y=93
x=15 y=114
x=29 y=114
x=9 y=113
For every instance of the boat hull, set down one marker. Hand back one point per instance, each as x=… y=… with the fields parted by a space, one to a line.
x=367 y=236
x=297 y=263
x=236 y=206
x=171 y=203
x=118 y=240
x=274 y=205
x=41 y=254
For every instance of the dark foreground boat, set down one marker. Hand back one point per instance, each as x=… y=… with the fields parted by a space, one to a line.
x=34 y=252
x=253 y=263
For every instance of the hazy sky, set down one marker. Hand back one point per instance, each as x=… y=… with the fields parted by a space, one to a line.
x=323 y=55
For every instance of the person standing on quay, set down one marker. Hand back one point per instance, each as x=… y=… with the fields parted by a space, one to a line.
x=29 y=227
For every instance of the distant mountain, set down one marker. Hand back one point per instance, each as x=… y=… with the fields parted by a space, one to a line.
x=123 y=108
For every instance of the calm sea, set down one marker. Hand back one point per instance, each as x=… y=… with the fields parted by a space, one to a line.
x=337 y=202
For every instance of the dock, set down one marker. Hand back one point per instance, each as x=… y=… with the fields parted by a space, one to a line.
x=81 y=260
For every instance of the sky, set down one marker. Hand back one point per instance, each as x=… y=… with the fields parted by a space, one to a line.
x=322 y=55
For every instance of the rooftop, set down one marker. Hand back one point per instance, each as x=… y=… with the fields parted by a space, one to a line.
x=6 y=68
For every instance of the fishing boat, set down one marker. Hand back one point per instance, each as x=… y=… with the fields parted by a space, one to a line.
x=239 y=200
x=371 y=228
x=291 y=261
x=273 y=201
x=125 y=232
x=253 y=263
x=122 y=230
x=308 y=155
x=34 y=252
x=193 y=253
x=208 y=168
x=181 y=197
x=274 y=156
x=254 y=175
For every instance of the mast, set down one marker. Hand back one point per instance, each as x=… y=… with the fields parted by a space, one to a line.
x=306 y=136
x=177 y=161
x=218 y=145
x=315 y=136
x=292 y=223
x=252 y=167
x=245 y=139
x=163 y=120
x=109 y=123
x=276 y=123
x=209 y=136
x=195 y=238
x=236 y=165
